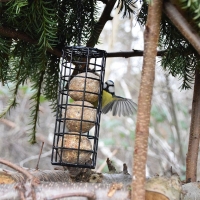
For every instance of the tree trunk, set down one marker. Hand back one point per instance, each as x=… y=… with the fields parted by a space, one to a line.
x=151 y=35
x=193 y=147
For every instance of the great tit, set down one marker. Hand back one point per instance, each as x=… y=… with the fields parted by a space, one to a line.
x=117 y=104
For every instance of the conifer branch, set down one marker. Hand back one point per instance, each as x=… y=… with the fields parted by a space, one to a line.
x=8 y=32
x=12 y=101
x=182 y=25
x=189 y=6
x=35 y=107
x=4 y=31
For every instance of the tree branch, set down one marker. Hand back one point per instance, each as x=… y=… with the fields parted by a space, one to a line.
x=182 y=25
x=183 y=12
x=37 y=166
x=193 y=146
x=127 y=54
x=33 y=181
x=11 y=33
x=19 y=169
x=7 y=32
x=105 y=16
x=151 y=36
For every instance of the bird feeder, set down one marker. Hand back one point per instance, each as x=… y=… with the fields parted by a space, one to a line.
x=78 y=115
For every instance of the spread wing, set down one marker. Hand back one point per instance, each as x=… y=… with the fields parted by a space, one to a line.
x=120 y=106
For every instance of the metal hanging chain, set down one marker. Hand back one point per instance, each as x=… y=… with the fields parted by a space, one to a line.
x=79 y=20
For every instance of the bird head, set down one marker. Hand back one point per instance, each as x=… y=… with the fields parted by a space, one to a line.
x=109 y=87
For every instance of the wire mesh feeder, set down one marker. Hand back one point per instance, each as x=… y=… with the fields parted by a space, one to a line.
x=77 y=125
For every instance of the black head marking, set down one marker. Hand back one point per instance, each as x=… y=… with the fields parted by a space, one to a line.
x=109 y=87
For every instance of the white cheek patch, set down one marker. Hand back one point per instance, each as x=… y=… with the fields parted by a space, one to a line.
x=111 y=89
x=104 y=85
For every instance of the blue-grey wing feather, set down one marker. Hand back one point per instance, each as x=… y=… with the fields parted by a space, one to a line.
x=107 y=107
x=120 y=106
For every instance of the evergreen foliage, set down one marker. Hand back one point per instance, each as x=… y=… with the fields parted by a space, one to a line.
x=45 y=25
x=193 y=8
x=52 y=24
x=127 y=7
x=180 y=58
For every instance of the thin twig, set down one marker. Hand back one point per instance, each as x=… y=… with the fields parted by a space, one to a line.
x=182 y=25
x=125 y=169
x=111 y=167
x=104 y=163
x=39 y=156
x=17 y=168
x=21 y=191
x=127 y=54
x=8 y=123
x=34 y=181
x=113 y=188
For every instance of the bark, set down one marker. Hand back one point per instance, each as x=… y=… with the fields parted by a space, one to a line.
x=101 y=23
x=178 y=19
x=63 y=176
x=49 y=190
x=57 y=184
x=151 y=36
x=193 y=147
x=12 y=33
x=182 y=25
x=191 y=191
x=110 y=187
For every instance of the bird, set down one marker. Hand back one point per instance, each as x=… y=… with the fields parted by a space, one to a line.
x=111 y=102
x=118 y=105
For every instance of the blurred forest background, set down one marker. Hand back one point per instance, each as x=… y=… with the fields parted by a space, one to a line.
x=170 y=114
